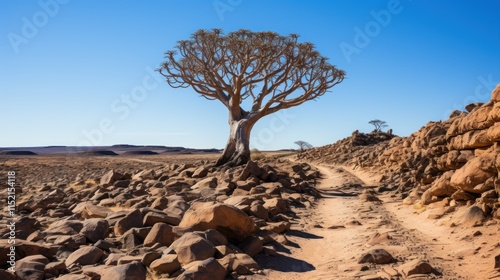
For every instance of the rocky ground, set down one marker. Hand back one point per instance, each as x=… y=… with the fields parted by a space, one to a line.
x=371 y=206
x=152 y=217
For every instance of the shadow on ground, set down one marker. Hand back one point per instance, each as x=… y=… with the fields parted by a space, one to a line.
x=283 y=263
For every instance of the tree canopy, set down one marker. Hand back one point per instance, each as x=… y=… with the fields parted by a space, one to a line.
x=275 y=72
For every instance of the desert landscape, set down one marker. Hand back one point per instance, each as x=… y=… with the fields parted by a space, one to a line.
x=371 y=206
x=155 y=140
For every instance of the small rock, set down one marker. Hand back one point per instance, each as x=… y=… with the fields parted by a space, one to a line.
x=160 y=233
x=95 y=229
x=192 y=247
x=416 y=267
x=134 y=270
x=377 y=256
x=166 y=264
x=209 y=269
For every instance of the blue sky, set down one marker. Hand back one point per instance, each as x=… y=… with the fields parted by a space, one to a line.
x=82 y=72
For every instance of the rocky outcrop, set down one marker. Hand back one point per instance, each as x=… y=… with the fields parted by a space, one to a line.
x=457 y=158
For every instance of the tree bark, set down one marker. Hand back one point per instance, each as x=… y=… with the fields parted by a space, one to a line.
x=237 y=151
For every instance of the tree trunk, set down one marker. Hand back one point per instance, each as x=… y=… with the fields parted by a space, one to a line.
x=237 y=151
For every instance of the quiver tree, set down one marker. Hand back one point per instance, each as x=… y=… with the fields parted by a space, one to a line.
x=275 y=72
x=378 y=125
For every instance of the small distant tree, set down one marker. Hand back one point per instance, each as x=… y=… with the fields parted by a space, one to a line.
x=378 y=125
x=303 y=145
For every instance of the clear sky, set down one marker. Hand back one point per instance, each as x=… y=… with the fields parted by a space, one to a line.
x=82 y=72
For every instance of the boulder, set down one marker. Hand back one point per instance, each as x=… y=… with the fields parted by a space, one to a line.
x=495 y=94
x=30 y=274
x=251 y=246
x=87 y=255
x=166 y=264
x=210 y=182
x=89 y=210
x=209 y=269
x=192 y=247
x=160 y=233
x=442 y=186
x=23 y=248
x=227 y=219
x=242 y=264
x=110 y=177
x=95 y=229
x=474 y=172
x=377 y=256
x=131 y=220
x=416 y=267
x=134 y=270
x=275 y=206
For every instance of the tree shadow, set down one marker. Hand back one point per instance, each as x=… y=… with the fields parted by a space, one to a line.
x=283 y=263
x=302 y=234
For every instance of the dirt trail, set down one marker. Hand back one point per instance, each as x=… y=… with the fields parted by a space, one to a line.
x=330 y=238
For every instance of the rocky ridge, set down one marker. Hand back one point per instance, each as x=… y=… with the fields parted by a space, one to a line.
x=453 y=162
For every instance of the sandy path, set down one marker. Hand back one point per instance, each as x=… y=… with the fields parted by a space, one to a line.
x=330 y=238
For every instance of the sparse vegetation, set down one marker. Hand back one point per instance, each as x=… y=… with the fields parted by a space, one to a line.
x=303 y=145
x=378 y=124
x=256 y=154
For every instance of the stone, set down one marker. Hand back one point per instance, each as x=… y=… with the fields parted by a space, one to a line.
x=242 y=264
x=209 y=269
x=30 y=274
x=29 y=265
x=442 y=186
x=160 y=203
x=214 y=237
x=95 y=229
x=251 y=169
x=227 y=219
x=160 y=233
x=210 y=182
x=153 y=217
x=497 y=262
x=495 y=94
x=23 y=248
x=377 y=256
x=192 y=247
x=85 y=256
x=55 y=268
x=200 y=172
x=134 y=270
x=166 y=264
x=416 y=267
x=131 y=220
x=259 y=211
x=275 y=206
x=471 y=216
x=110 y=177
x=474 y=172
x=251 y=246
